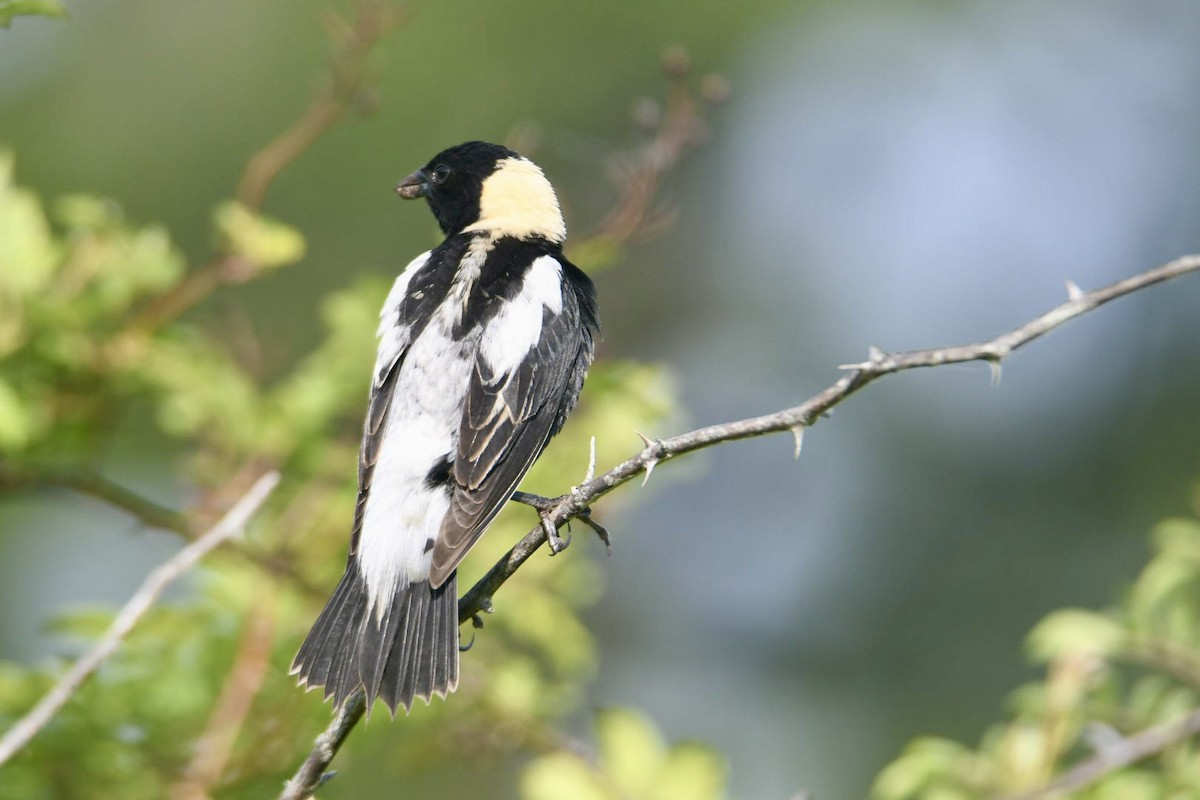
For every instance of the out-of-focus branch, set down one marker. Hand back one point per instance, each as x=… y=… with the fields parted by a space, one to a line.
x=148 y=513
x=676 y=128
x=1116 y=756
x=94 y=485
x=346 y=87
x=232 y=523
x=795 y=420
x=245 y=680
x=805 y=415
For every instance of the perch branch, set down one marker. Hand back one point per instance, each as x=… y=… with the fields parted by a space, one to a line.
x=1116 y=756
x=312 y=772
x=793 y=420
x=28 y=726
x=805 y=415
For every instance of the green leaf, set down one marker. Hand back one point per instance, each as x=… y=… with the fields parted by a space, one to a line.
x=1075 y=630
x=19 y=422
x=693 y=771
x=631 y=751
x=925 y=763
x=264 y=242
x=558 y=776
x=11 y=9
x=27 y=251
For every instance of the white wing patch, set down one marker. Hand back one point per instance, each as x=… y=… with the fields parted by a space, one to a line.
x=393 y=333
x=518 y=325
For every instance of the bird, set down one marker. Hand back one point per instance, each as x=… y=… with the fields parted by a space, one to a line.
x=484 y=345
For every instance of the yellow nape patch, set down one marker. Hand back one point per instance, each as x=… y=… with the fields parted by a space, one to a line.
x=517 y=200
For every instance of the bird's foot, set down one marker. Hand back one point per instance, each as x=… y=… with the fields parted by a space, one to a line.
x=545 y=507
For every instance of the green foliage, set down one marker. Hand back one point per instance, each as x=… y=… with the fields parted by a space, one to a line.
x=93 y=335
x=11 y=9
x=633 y=763
x=1108 y=674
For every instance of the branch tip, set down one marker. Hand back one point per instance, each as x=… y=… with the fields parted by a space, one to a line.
x=1074 y=293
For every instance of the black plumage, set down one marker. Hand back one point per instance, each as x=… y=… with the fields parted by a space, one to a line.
x=485 y=343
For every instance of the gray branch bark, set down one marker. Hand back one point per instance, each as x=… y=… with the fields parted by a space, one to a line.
x=794 y=420
x=232 y=523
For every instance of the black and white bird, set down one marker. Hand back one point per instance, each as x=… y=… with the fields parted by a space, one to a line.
x=484 y=343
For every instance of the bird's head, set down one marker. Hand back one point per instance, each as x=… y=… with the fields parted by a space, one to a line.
x=478 y=186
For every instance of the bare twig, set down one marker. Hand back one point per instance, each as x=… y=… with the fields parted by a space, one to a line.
x=792 y=420
x=681 y=127
x=348 y=76
x=27 y=727
x=344 y=89
x=1116 y=756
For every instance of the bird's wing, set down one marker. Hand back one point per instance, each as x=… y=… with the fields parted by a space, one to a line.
x=396 y=330
x=514 y=405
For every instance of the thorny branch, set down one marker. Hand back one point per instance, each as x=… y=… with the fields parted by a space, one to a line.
x=231 y=524
x=799 y=418
x=794 y=420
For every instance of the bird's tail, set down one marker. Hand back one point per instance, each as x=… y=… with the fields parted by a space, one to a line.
x=412 y=651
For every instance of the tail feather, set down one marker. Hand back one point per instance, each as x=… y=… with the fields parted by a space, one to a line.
x=411 y=652
x=375 y=648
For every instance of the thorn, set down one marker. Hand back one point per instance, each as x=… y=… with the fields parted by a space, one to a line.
x=874 y=354
x=1073 y=291
x=591 y=470
x=645 y=439
x=325 y=778
x=798 y=434
x=996 y=369
x=649 y=468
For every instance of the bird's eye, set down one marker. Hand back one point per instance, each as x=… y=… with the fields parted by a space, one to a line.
x=440 y=173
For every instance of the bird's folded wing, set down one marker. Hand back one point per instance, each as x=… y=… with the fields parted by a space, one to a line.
x=507 y=420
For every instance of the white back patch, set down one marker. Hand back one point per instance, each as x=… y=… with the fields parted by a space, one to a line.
x=393 y=335
x=517 y=327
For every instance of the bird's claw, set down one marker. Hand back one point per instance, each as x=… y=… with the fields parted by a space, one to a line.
x=557 y=543
x=585 y=516
x=545 y=507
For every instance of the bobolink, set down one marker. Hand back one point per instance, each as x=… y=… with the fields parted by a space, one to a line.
x=484 y=345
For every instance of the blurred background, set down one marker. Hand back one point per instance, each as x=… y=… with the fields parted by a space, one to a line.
x=902 y=175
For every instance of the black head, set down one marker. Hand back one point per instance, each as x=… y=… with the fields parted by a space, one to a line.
x=484 y=186
x=452 y=182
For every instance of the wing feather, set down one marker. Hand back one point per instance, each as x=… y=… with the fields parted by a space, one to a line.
x=397 y=322
x=509 y=418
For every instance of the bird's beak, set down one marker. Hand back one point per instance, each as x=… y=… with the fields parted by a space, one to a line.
x=414 y=186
